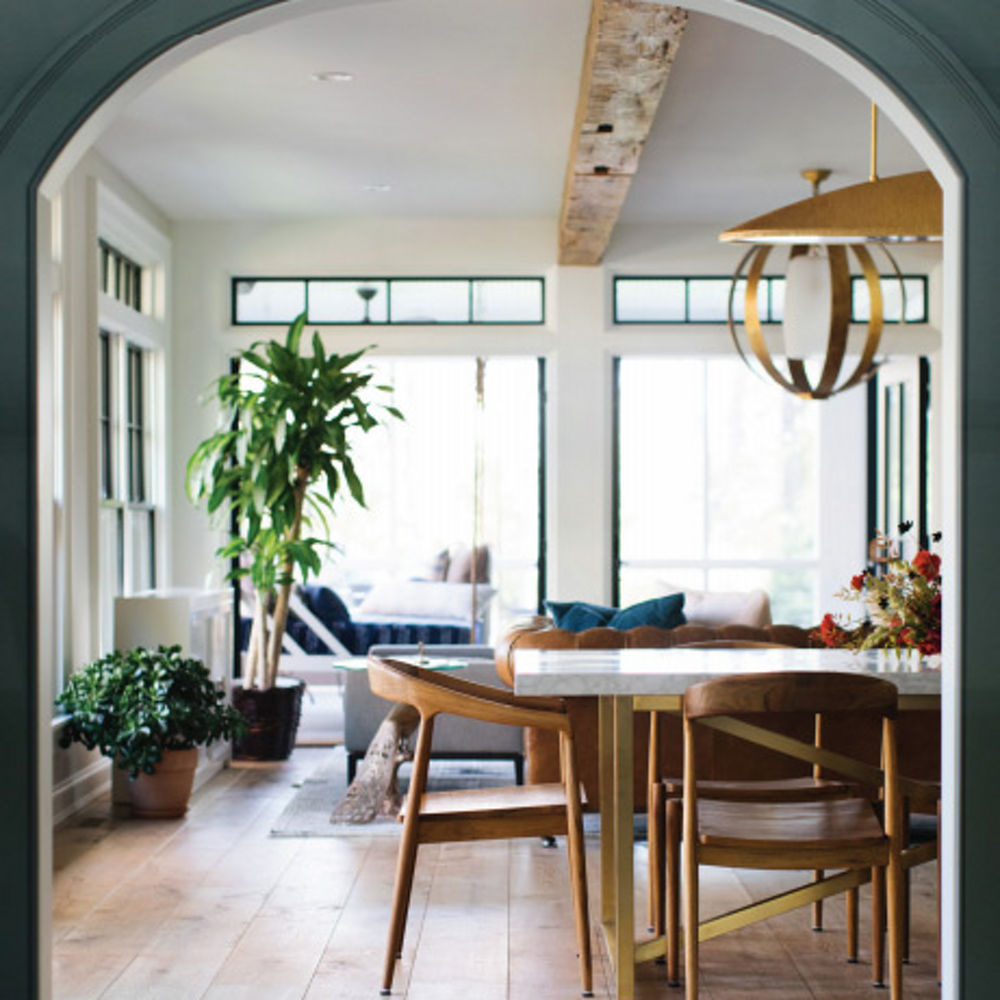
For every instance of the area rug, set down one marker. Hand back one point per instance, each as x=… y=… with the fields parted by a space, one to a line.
x=308 y=812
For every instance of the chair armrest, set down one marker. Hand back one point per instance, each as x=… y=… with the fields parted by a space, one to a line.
x=433 y=693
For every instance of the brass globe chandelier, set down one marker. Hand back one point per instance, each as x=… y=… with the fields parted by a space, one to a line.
x=821 y=230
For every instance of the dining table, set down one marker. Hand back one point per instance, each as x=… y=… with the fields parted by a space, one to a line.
x=626 y=681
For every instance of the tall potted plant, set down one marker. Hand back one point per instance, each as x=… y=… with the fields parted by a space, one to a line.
x=281 y=457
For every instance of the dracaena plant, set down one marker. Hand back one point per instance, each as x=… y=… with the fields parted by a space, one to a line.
x=279 y=460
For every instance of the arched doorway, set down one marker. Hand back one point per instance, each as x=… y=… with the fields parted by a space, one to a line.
x=62 y=70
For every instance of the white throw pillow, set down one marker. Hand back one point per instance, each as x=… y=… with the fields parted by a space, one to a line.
x=404 y=599
x=705 y=607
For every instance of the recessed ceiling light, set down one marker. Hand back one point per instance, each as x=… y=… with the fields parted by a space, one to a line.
x=332 y=76
x=378 y=188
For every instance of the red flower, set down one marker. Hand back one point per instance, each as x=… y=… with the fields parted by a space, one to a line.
x=858 y=581
x=932 y=644
x=927 y=564
x=830 y=632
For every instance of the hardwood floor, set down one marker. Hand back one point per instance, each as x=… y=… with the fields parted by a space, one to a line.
x=212 y=907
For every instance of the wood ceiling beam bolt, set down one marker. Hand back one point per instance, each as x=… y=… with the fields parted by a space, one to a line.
x=631 y=45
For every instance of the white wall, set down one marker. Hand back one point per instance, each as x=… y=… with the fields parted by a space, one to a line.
x=578 y=340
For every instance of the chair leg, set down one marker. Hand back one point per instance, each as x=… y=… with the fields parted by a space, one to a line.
x=655 y=819
x=852 y=925
x=690 y=875
x=673 y=901
x=878 y=924
x=817 y=907
x=938 y=884
x=408 y=843
x=690 y=920
x=894 y=891
x=578 y=868
x=652 y=818
x=905 y=898
x=400 y=901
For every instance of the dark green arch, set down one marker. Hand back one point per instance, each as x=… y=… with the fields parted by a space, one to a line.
x=61 y=58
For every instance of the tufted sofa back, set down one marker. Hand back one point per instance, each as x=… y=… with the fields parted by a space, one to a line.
x=540 y=633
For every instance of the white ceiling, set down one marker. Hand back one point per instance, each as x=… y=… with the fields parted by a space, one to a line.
x=465 y=108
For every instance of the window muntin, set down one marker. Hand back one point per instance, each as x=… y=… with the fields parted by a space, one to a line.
x=705 y=299
x=389 y=301
x=731 y=501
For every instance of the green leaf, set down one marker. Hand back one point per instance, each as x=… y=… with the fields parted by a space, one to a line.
x=353 y=483
x=295 y=333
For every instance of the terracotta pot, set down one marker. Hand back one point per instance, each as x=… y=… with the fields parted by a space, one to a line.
x=164 y=794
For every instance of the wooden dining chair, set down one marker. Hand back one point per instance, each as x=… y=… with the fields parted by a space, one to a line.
x=843 y=834
x=664 y=824
x=481 y=814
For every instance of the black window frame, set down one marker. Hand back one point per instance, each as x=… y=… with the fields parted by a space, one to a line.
x=389 y=281
x=765 y=287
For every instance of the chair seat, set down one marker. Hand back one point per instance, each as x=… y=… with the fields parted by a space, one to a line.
x=830 y=823
x=497 y=803
x=773 y=790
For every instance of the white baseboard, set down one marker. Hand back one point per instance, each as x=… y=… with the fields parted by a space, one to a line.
x=80 y=789
x=76 y=792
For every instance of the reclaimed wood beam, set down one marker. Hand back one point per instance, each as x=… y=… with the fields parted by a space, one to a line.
x=630 y=48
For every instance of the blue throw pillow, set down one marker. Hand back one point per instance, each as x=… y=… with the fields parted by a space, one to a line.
x=325 y=604
x=663 y=612
x=578 y=616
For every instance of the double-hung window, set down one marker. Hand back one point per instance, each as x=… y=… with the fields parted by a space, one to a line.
x=128 y=381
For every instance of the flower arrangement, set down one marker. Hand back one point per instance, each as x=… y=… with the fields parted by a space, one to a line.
x=901 y=600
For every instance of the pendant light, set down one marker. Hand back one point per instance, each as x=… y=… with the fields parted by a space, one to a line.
x=821 y=230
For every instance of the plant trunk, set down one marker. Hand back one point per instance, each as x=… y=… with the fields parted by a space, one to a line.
x=285 y=590
x=254 y=672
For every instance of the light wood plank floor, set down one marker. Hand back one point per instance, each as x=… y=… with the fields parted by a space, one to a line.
x=212 y=907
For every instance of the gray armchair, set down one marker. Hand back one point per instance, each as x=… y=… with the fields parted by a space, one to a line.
x=454 y=737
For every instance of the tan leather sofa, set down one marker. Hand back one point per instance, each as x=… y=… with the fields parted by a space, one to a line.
x=919 y=731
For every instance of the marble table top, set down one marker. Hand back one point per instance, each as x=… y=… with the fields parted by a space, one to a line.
x=575 y=672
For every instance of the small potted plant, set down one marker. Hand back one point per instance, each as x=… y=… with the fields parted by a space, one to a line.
x=276 y=465
x=149 y=710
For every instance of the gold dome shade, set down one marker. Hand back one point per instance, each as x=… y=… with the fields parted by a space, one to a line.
x=902 y=208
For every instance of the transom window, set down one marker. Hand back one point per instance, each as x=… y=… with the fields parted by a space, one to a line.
x=389 y=301
x=702 y=299
x=120 y=276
